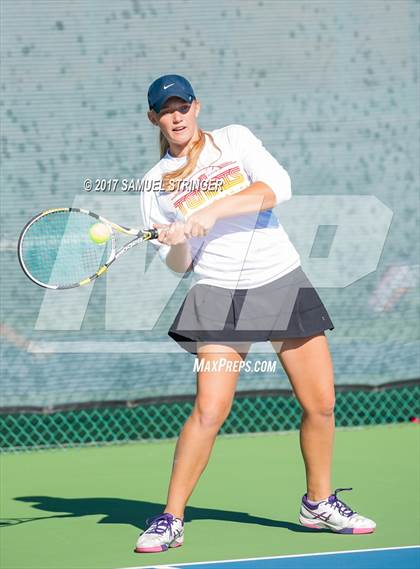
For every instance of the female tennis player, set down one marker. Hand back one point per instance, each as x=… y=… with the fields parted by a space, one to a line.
x=214 y=212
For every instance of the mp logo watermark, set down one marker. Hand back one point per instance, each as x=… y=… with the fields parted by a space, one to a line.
x=339 y=238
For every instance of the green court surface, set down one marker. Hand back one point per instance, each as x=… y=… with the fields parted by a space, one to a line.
x=83 y=508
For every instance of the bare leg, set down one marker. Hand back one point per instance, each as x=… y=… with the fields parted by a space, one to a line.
x=215 y=393
x=308 y=364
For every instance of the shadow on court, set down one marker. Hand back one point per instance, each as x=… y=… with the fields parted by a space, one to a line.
x=135 y=512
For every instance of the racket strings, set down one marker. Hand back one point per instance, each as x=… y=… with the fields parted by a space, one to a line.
x=57 y=249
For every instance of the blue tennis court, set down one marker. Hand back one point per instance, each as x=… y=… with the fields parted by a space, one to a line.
x=389 y=558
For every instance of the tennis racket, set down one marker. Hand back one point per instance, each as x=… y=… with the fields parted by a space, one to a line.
x=56 y=251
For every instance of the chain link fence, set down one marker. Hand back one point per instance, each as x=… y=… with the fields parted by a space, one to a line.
x=156 y=421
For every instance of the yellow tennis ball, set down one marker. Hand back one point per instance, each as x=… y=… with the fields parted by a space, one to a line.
x=99 y=233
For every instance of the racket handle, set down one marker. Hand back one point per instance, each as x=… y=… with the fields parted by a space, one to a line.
x=154 y=233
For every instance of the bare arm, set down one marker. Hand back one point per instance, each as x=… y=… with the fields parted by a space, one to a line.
x=179 y=257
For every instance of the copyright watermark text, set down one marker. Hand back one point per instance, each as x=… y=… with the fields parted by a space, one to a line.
x=136 y=185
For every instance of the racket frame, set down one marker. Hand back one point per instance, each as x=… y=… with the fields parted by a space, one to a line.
x=139 y=236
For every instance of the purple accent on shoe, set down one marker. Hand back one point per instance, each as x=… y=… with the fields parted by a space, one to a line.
x=343 y=509
x=342 y=490
x=356 y=530
x=345 y=530
x=159 y=524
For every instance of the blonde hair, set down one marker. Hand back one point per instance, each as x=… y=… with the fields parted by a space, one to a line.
x=170 y=178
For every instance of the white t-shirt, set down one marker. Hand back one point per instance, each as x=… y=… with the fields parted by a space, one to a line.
x=242 y=251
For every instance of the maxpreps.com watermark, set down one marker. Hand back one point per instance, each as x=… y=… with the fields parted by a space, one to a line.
x=225 y=365
x=136 y=185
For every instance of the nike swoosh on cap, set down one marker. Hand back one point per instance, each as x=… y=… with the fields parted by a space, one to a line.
x=167 y=86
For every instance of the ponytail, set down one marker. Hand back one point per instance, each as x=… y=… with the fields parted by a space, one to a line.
x=163 y=145
x=192 y=158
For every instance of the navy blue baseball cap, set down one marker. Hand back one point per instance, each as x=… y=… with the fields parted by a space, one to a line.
x=169 y=86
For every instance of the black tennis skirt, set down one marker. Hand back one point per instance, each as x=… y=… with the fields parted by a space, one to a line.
x=288 y=307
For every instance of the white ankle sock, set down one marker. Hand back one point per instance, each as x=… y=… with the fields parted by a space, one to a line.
x=312 y=503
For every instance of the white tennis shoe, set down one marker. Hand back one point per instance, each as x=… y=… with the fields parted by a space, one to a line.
x=164 y=531
x=335 y=515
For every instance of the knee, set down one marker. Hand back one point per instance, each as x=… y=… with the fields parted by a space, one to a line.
x=211 y=416
x=321 y=409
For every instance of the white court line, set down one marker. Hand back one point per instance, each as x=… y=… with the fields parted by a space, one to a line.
x=273 y=557
x=160 y=567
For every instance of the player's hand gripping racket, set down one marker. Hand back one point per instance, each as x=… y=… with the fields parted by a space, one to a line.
x=69 y=247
